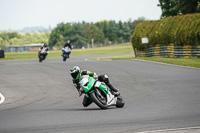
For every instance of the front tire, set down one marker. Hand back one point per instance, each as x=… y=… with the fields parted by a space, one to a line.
x=64 y=59
x=94 y=98
x=120 y=102
x=40 y=58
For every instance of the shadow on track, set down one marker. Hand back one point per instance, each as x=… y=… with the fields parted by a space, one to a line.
x=81 y=109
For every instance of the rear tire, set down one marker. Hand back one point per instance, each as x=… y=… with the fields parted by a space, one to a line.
x=96 y=101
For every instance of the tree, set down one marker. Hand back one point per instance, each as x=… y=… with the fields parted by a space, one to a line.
x=169 y=7
x=1 y=43
x=198 y=7
x=61 y=41
x=175 y=7
x=16 y=41
x=91 y=31
x=63 y=32
x=135 y=23
x=126 y=32
x=112 y=30
x=9 y=35
x=78 y=41
x=188 y=6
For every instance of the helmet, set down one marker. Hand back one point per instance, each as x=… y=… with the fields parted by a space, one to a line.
x=45 y=45
x=75 y=72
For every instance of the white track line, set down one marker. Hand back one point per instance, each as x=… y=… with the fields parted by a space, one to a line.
x=2 y=98
x=98 y=59
x=170 y=130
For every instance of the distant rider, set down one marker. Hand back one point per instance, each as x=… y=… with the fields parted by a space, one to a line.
x=67 y=45
x=45 y=48
x=77 y=73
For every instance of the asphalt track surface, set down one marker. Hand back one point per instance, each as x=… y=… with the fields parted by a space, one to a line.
x=40 y=97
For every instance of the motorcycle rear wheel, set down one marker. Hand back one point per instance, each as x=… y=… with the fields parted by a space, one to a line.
x=97 y=101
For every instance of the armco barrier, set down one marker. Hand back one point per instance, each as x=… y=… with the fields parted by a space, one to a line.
x=2 y=54
x=157 y=51
x=171 y=51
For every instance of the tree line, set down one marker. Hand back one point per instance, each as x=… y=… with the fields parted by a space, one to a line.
x=101 y=33
x=17 y=39
x=80 y=34
x=178 y=7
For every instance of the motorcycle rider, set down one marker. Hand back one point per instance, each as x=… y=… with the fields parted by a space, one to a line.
x=67 y=45
x=77 y=73
x=46 y=48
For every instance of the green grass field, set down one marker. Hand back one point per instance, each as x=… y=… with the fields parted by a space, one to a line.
x=122 y=48
x=122 y=57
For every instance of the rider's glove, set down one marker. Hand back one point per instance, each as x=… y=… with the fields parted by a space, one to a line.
x=95 y=76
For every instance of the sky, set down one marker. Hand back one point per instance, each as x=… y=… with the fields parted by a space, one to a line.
x=19 y=14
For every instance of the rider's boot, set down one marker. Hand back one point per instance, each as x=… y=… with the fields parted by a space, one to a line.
x=114 y=90
x=105 y=79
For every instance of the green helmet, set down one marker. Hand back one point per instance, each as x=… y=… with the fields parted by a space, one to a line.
x=75 y=72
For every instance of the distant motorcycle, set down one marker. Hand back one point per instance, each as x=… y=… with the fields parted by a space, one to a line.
x=99 y=93
x=66 y=52
x=42 y=55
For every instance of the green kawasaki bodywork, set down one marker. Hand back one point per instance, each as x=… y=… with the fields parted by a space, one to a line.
x=90 y=84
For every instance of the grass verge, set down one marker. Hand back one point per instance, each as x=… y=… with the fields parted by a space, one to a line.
x=191 y=62
x=122 y=57
x=122 y=48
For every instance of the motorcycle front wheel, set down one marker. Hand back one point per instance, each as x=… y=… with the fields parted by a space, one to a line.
x=41 y=58
x=120 y=102
x=64 y=59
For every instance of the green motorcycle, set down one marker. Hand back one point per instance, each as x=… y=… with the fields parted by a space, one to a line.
x=99 y=93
